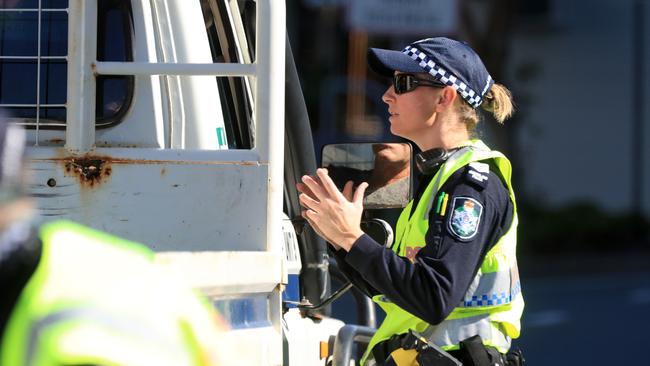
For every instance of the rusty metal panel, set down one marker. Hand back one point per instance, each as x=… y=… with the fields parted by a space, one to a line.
x=179 y=201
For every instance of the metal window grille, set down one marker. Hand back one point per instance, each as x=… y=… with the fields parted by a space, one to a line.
x=34 y=35
x=39 y=58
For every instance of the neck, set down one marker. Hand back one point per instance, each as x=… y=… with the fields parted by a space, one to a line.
x=446 y=135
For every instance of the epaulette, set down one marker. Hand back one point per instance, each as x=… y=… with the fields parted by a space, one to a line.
x=477 y=174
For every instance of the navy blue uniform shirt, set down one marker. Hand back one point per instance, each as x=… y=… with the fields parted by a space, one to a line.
x=435 y=282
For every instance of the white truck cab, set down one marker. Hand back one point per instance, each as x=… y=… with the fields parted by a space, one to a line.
x=163 y=122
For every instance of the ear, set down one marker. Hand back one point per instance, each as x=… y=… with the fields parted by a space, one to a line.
x=446 y=99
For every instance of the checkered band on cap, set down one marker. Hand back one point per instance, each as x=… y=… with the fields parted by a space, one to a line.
x=472 y=97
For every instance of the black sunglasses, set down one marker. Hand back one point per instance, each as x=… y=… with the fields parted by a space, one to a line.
x=404 y=83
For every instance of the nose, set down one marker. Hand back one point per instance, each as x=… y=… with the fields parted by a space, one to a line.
x=389 y=95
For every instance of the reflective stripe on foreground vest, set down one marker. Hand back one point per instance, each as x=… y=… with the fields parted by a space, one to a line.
x=98 y=299
x=109 y=328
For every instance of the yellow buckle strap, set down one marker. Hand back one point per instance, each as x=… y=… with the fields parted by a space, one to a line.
x=404 y=357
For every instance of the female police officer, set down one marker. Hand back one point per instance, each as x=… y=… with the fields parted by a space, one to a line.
x=451 y=274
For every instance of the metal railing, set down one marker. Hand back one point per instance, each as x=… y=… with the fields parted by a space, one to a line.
x=346 y=338
x=267 y=71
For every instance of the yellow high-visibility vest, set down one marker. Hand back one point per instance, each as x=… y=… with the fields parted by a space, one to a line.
x=493 y=304
x=99 y=300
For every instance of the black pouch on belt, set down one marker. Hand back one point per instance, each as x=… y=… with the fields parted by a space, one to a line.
x=413 y=347
x=515 y=358
x=474 y=353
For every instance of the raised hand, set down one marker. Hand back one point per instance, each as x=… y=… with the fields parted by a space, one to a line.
x=334 y=215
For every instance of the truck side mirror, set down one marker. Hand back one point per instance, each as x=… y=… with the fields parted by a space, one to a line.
x=386 y=167
x=379 y=230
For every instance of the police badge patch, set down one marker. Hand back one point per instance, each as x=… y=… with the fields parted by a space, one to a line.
x=465 y=217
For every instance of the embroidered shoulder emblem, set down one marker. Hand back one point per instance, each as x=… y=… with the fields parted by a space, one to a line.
x=465 y=217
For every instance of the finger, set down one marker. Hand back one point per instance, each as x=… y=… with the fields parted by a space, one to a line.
x=302 y=188
x=358 y=194
x=309 y=203
x=328 y=184
x=315 y=187
x=347 y=190
x=307 y=215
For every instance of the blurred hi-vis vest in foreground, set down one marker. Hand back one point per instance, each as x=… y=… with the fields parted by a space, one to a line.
x=95 y=299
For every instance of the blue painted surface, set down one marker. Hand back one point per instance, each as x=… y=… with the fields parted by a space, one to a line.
x=292 y=290
x=246 y=312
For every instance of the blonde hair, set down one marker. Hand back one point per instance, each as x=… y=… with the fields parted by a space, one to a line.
x=497 y=101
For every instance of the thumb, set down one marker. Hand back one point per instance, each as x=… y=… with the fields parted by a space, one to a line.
x=358 y=194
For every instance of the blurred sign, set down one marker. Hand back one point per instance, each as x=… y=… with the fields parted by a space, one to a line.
x=403 y=17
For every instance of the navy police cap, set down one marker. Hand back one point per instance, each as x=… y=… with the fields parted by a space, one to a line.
x=449 y=61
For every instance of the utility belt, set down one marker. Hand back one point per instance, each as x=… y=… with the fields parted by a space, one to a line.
x=412 y=349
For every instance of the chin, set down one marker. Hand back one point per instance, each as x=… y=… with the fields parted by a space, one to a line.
x=396 y=132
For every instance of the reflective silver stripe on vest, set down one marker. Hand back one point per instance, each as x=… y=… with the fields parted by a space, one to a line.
x=489 y=289
x=452 y=331
x=127 y=327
